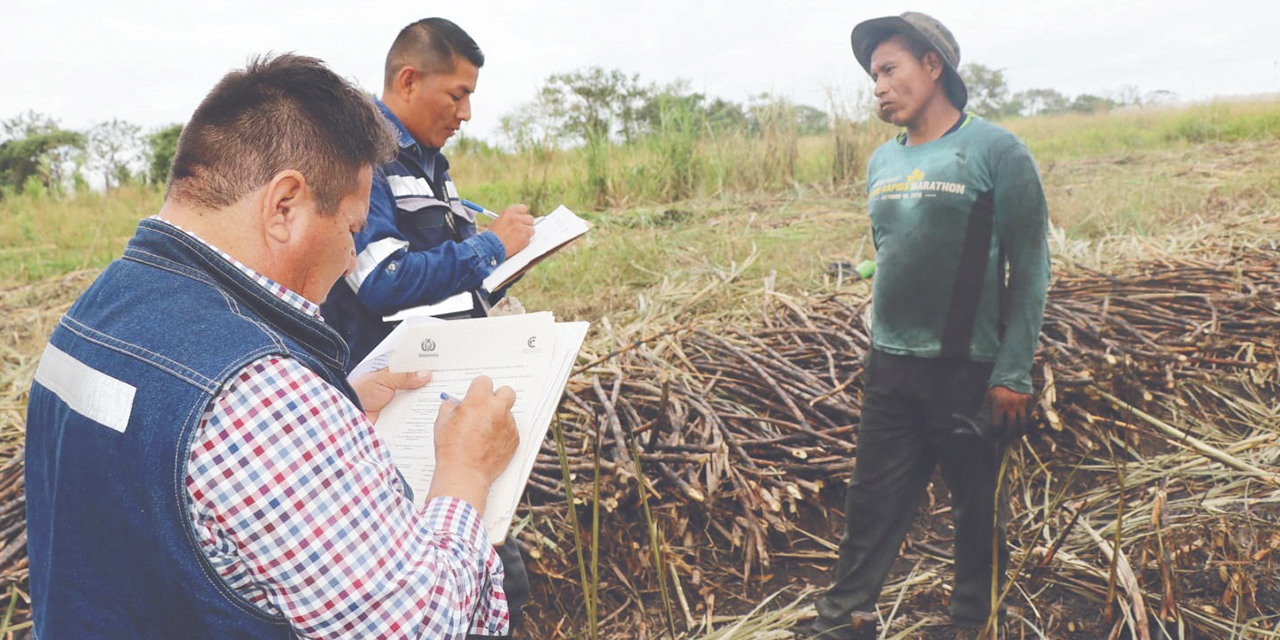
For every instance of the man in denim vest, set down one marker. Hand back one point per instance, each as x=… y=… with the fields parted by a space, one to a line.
x=197 y=464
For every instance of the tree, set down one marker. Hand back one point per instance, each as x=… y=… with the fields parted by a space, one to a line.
x=770 y=112
x=988 y=90
x=661 y=103
x=1161 y=97
x=593 y=104
x=1088 y=103
x=528 y=127
x=30 y=157
x=55 y=148
x=162 y=144
x=726 y=115
x=28 y=124
x=716 y=114
x=1035 y=102
x=811 y=120
x=115 y=148
x=1127 y=95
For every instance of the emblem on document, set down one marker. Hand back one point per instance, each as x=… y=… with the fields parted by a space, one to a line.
x=532 y=342
x=428 y=345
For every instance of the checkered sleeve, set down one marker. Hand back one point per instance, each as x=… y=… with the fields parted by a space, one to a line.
x=299 y=509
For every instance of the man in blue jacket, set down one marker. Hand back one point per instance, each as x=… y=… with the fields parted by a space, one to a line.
x=420 y=246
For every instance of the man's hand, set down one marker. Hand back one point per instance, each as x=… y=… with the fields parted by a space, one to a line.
x=475 y=439
x=513 y=227
x=377 y=388
x=1009 y=411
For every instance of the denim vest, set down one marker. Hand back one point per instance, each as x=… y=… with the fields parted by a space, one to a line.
x=119 y=394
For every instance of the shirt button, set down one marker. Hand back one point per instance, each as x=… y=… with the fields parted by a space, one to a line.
x=391 y=267
x=493 y=262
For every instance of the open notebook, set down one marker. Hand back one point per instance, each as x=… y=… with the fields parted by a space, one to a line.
x=531 y=353
x=550 y=233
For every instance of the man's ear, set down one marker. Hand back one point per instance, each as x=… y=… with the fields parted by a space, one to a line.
x=933 y=63
x=282 y=203
x=406 y=77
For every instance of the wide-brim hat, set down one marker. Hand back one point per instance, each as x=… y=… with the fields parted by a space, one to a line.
x=872 y=32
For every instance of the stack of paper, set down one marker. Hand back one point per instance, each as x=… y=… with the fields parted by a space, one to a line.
x=531 y=353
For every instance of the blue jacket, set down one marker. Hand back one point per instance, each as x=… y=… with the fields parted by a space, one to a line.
x=118 y=397
x=419 y=247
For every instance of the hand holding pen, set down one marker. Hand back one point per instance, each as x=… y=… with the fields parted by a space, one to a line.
x=475 y=437
x=514 y=226
x=479 y=209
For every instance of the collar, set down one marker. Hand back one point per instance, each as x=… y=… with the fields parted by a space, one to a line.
x=960 y=124
x=276 y=289
x=405 y=138
x=159 y=244
x=407 y=142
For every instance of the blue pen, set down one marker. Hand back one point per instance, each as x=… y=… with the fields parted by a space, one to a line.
x=445 y=397
x=478 y=209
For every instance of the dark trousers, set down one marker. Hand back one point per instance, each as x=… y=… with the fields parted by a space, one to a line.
x=906 y=430
x=515 y=583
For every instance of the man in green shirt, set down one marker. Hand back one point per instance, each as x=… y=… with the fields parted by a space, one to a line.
x=958 y=217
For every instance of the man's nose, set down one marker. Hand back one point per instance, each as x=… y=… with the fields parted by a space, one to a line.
x=464 y=109
x=882 y=87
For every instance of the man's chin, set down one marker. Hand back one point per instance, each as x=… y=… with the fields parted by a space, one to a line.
x=895 y=117
x=442 y=138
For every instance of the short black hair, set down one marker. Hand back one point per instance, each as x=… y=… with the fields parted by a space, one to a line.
x=430 y=46
x=278 y=113
x=918 y=47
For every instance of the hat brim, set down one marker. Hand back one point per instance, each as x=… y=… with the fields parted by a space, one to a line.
x=868 y=33
x=954 y=84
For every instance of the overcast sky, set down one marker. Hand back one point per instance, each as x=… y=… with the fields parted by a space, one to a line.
x=150 y=63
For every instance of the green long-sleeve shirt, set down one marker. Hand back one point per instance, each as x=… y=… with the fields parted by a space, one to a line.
x=962 y=262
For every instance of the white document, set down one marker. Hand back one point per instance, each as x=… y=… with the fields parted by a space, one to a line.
x=551 y=232
x=381 y=354
x=458 y=303
x=569 y=337
x=530 y=353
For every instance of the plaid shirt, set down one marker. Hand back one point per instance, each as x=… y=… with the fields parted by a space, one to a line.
x=298 y=507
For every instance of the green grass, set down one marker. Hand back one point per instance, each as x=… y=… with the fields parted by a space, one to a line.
x=42 y=236
x=1075 y=136
x=774 y=204
x=640 y=251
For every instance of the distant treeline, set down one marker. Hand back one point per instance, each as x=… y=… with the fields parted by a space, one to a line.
x=38 y=155
x=590 y=109
x=593 y=104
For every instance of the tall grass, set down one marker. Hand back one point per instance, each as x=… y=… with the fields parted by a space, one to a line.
x=689 y=196
x=1074 y=135
x=43 y=236
x=683 y=157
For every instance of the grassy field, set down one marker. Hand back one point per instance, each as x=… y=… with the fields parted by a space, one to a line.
x=687 y=226
x=776 y=201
